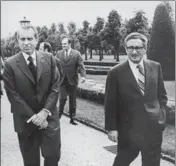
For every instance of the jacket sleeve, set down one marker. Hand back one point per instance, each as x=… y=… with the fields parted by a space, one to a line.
x=111 y=103
x=162 y=95
x=81 y=66
x=53 y=94
x=18 y=104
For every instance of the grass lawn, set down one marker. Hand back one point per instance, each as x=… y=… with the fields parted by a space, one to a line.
x=169 y=85
x=93 y=113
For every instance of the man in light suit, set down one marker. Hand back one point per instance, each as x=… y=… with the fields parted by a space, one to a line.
x=32 y=85
x=71 y=63
x=135 y=101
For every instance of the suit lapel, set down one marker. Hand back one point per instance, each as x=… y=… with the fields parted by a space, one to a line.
x=21 y=63
x=40 y=61
x=148 y=74
x=62 y=56
x=131 y=77
x=70 y=55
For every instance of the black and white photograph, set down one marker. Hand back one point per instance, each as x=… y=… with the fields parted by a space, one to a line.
x=87 y=83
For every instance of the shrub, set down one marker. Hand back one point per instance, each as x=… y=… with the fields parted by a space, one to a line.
x=162 y=42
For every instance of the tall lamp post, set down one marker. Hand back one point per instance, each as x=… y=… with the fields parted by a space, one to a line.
x=24 y=22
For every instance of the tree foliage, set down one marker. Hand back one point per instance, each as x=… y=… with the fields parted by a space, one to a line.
x=111 y=32
x=162 y=42
x=139 y=23
x=72 y=34
x=101 y=37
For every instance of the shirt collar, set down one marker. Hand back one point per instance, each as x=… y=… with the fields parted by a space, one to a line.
x=69 y=51
x=134 y=65
x=33 y=55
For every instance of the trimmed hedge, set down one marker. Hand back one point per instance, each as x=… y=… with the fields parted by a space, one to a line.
x=98 y=67
x=101 y=63
x=96 y=72
x=90 y=92
x=162 y=42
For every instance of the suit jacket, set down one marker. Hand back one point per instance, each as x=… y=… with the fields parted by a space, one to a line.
x=1 y=65
x=126 y=109
x=58 y=64
x=71 y=66
x=28 y=97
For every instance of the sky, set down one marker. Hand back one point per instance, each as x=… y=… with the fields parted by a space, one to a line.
x=42 y=13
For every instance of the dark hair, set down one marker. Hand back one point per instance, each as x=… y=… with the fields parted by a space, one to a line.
x=47 y=46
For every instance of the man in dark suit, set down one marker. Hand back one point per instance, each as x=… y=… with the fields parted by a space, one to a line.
x=32 y=85
x=46 y=47
x=1 y=68
x=135 y=101
x=71 y=64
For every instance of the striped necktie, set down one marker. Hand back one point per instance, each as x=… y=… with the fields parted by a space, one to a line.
x=141 y=79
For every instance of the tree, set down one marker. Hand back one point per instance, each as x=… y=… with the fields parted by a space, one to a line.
x=97 y=43
x=9 y=45
x=79 y=35
x=53 y=29
x=111 y=32
x=84 y=36
x=61 y=29
x=169 y=8
x=139 y=23
x=43 y=35
x=162 y=42
x=72 y=34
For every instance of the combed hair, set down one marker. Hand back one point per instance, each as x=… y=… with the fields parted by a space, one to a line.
x=27 y=28
x=48 y=46
x=136 y=35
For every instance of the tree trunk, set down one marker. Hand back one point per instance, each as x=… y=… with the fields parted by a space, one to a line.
x=117 y=48
x=90 y=53
x=85 y=52
x=100 y=55
x=114 y=53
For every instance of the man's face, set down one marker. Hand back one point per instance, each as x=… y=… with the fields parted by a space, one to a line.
x=27 y=41
x=135 y=50
x=65 y=44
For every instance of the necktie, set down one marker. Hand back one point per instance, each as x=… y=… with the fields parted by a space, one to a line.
x=66 y=54
x=141 y=79
x=32 y=67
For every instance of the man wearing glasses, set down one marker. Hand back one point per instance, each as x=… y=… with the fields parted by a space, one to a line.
x=135 y=100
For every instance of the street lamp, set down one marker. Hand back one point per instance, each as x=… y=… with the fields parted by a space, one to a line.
x=24 y=22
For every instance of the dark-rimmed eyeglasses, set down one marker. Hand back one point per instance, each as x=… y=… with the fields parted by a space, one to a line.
x=131 y=48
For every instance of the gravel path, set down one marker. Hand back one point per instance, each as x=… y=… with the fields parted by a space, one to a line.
x=81 y=145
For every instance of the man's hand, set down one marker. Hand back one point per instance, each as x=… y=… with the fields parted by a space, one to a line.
x=44 y=125
x=82 y=80
x=112 y=135
x=40 y=117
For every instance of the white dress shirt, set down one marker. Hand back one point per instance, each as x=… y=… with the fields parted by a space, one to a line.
x=68 y=51
x=134 y=68
x=33 y=55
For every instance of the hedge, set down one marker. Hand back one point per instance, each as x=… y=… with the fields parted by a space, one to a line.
x=96 y=92
x=101 y=63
